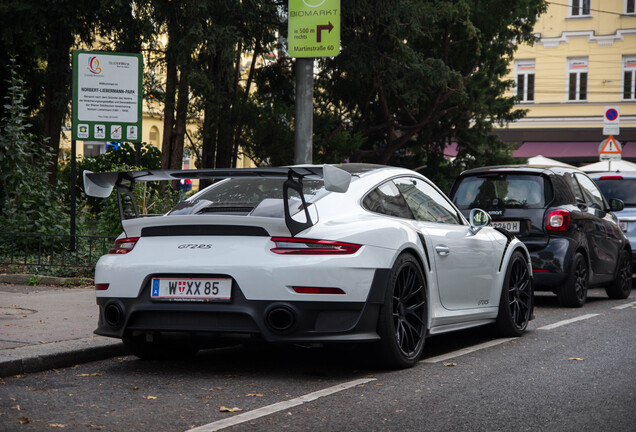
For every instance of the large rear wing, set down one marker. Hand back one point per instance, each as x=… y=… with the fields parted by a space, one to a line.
x=101 y=184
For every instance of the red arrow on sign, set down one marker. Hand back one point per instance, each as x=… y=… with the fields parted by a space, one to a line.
x=319 y=30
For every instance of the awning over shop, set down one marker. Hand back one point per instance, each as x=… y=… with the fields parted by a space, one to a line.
x=568 y=149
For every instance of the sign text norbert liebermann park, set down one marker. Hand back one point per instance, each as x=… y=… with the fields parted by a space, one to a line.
x=107 y=104
x=314 y=28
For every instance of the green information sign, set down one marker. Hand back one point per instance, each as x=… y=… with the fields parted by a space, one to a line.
x=107 y=99
x=314 y=28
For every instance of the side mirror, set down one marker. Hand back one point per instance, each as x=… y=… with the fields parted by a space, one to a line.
x=478 y=219
x=616 y=204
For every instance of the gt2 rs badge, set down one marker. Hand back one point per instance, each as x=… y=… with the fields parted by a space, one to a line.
x=195 y=246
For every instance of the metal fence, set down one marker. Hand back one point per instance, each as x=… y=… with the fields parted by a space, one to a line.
x=44 y=251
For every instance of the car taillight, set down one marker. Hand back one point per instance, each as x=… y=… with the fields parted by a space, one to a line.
x=299 y=246
x=558 y=220
x=124 y=245
x=101 y=286
x=614 y=177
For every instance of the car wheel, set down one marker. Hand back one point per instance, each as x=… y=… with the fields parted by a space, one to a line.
x=403 y=316
x=621 y=287
x=574 y=292
x=159 y=349
x=515 y=306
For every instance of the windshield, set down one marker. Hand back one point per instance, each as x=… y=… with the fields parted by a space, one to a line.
x=242 y=195
x=500 y=190
x=622 y=188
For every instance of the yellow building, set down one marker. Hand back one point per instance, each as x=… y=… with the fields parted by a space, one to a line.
x=583 y=63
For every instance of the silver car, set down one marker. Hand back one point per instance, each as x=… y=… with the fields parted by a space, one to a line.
x=621 y=185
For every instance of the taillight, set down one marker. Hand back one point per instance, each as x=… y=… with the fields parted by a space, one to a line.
x=124 y=245
x=558 y=220
x=299 y=246
x=613 y=177
x=101 y=286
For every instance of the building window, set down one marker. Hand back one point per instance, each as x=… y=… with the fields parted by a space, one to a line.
x=94 y=148
x=630 y=6
x=580 y=8
x=629 y=78
x=525 y=80
x=577 y=79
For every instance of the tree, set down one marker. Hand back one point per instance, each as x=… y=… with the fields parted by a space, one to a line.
x=44 y=34
x=418 y=75
x=26 y=199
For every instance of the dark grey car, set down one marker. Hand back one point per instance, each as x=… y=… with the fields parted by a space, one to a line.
x=621 y=185
x=567 y=225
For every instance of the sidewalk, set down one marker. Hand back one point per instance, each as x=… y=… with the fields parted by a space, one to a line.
x=45 y=327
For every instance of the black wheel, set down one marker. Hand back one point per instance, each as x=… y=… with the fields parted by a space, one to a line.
x=402 y=321
x=574 y=292
x=159 y=349
x=621 y=287
x=515 y=306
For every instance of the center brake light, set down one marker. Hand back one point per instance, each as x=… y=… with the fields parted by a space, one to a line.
x=558 y=220
x=300 y=246
x=613 y=177
x=124 y=245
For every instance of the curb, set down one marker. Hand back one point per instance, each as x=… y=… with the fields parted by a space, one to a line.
x=26 y=279
x=37 y=358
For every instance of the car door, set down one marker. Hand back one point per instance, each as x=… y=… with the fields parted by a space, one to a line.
x=466 y=263
x=602 y=233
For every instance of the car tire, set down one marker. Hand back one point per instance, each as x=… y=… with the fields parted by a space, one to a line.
x=161 y=349
x=574 y=292
x=402 y=322
x=515 y=306
x=621 y=287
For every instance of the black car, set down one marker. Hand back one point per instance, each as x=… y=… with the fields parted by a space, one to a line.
x=563 y=219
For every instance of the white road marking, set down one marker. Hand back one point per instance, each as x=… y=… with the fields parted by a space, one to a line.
x=280 y=406
x=465 y=351
x=565 y=322
x=625 y=306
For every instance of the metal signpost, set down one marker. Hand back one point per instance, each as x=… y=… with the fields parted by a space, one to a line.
x=107 y=103
x=313 y=31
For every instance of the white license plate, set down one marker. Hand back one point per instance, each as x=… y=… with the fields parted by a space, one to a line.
x=511 y=226
x=191 y=289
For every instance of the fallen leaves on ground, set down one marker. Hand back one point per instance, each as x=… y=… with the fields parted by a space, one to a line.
x=254 y=395
x=231 y=410
x=150 y=397
x=576 y=358
x=89 y=374
x=57 y=425
x=24 y=420
x=449 y=364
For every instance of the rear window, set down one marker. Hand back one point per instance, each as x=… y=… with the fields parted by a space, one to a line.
x=622 y=188
x=500 y=190
x=242 y=195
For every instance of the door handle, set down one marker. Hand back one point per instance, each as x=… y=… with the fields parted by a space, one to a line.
x=443 y=250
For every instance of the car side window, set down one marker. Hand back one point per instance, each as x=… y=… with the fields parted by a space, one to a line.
x=577 y=189
x=426 y=203
x=387 y=199
x=594 y=198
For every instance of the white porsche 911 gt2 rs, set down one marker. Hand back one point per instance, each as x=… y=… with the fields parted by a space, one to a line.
x=306 y=254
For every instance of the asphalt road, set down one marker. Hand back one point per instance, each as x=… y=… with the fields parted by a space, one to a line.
x=575 y=370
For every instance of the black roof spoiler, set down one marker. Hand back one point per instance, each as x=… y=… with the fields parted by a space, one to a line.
x=101 y=184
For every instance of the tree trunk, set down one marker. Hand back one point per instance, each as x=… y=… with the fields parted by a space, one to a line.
x=168 y=111
x=57 y=92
